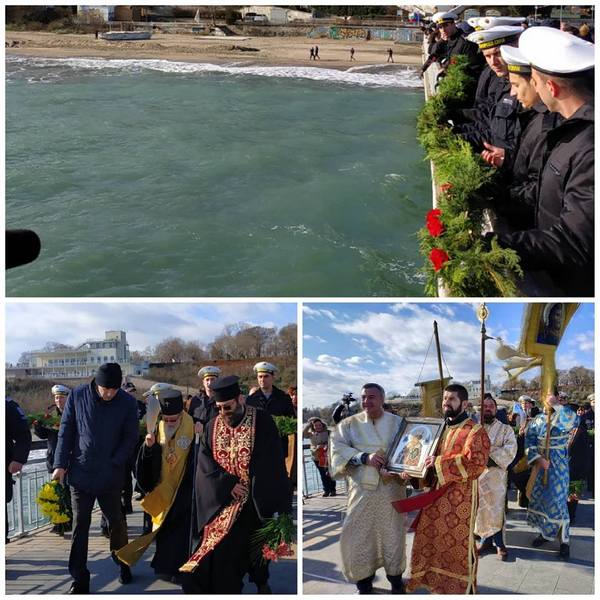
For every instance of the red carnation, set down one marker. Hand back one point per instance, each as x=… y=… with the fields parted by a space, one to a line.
x=446 y=187
x=433 y=223
x=438 y=258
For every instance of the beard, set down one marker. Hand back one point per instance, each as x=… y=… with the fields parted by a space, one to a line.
x=451 y=413
x=488 y=418
x=171 y=429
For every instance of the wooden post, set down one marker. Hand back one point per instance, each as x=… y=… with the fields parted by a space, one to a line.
x=439 y=356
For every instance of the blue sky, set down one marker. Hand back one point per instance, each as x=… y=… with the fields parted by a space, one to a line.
x=346 y=345
x=30 y=325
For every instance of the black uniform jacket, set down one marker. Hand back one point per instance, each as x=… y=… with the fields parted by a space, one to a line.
x=561 y=245
x=269 y=489
x=519 y=201
x=202 y=409
x=278 y=405
x=18 y=440
x=51 y=435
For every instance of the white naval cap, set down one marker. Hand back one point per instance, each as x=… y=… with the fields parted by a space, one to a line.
x=60 y=390
x=556 y=52
x=515 y=60
x=489 y=22
x=444 y=17
x=526 y=398
x=494 y=37
x=157 y=389
x=265 y=367
x=209 y=371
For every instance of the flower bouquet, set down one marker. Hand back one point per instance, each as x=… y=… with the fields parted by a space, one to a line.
x=274 y=539
x=53 y=503
x=45 y=419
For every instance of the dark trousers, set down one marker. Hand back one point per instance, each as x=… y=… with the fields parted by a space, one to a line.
x=496 y=539
x=328 y=483
x=83 y=502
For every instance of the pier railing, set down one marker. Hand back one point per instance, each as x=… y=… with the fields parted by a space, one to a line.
x=311 y=480
x=23 y=512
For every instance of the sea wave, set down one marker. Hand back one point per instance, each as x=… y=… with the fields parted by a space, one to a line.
x=372 y=76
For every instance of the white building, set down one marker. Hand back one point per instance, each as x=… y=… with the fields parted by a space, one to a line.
x=276 y=15
x=67 y=362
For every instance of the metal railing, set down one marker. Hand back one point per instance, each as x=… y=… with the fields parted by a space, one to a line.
x=311 y=480
x=23 y=512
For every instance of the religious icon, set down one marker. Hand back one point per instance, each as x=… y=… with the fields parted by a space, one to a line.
x=416 y=439
x=551 y=324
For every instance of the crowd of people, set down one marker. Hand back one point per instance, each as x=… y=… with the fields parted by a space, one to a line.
x=464 y=491
x=530 y=115
x=207 y=476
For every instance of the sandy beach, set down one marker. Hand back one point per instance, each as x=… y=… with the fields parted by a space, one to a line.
x=334 y=54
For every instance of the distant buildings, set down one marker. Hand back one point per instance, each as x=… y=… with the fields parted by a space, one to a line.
x=59 y=361
x=276 y=15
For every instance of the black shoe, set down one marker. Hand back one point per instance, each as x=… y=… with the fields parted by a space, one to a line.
x=128 y=508
x=68 y=526
x=398 y=589
x=263 y=588
x=563 y=553
x=325 y=494
x=334 y=493
x=125 y=575
x=104 y=531
x=79 y=587
x=539 y=541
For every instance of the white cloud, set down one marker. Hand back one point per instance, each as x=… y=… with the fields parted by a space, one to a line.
x=584 y=341
x=318 y=312
x=314 y=338
x=353 y=360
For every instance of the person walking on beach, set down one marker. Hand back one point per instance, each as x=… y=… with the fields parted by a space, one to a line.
x=352 y=54
x=317 y=53
x=390 y=55
x=312 y=54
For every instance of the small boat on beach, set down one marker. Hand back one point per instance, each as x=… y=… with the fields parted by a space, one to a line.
x=120 y=36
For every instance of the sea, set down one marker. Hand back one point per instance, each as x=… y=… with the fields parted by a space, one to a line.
x=152 y=178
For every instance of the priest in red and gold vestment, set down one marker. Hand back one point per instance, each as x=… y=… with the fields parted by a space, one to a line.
x=240 y=481
x=443 y=557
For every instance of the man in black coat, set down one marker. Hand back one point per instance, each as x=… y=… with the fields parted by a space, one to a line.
x=557 y=253
x=240 y=482
x=269 y=397
x=97 y=436
x=202 y=406
x=452 y=43
x=18 y=445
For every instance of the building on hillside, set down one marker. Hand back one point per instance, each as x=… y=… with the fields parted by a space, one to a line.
x=95 y=13
x=275 y=15
x=62 y=361
x=474 y=388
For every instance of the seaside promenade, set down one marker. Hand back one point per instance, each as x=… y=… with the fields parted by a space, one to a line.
x=37 y=564
x=527 y=571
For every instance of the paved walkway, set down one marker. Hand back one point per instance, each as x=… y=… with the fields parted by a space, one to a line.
x=527 y=571
x=37 y=564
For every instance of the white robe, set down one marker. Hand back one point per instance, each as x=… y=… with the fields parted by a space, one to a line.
x=492 y=482
x=373 y=533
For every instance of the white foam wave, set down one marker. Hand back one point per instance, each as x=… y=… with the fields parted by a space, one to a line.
x=401 y=77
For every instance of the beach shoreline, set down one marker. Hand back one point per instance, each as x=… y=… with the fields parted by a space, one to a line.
x=268 y=51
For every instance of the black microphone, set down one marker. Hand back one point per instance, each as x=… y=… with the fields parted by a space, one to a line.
x=22 y=246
